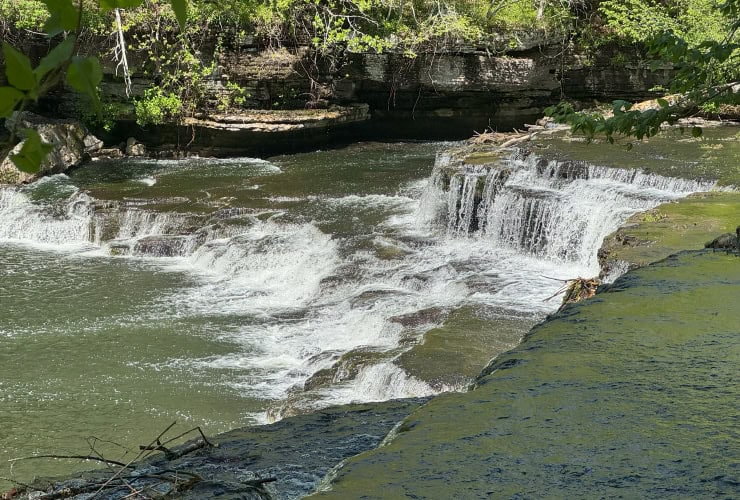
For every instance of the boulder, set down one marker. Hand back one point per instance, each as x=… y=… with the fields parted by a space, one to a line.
x=107 y=153
x=70 y=139
x=135 y=148
x=92 y=144
x=9 y=174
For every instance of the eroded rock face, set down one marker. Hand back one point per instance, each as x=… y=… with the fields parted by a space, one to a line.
x=70 y=139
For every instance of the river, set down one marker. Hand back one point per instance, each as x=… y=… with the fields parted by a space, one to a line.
x=222 y=293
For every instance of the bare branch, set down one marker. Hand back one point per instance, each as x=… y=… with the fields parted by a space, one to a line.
x=120 y=53
x=72 y=457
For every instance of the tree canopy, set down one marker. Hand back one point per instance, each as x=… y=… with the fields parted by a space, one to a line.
x=698 y=38
x=704 y=52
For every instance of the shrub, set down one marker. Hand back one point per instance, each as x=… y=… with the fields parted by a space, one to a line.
x=157 y=107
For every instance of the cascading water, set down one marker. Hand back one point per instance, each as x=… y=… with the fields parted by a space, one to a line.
x=65 y=221
x=272 y=289
x=555 y=210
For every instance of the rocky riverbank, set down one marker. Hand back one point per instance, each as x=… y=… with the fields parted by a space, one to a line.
x=281 y=461
x=593 y=400
x=629 y=394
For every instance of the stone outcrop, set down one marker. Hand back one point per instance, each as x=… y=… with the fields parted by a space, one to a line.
x=446 y=94
x=134 y=147
x=70 y=140
x=562 y=414
x=257 y=462
x=254 y=132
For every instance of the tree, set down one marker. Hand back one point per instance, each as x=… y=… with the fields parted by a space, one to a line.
x=27 y=84
x=705 y=70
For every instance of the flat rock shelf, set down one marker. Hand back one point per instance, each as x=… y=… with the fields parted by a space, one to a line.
x=632 y=394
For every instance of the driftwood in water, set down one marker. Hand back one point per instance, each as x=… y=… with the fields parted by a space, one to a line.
x=576 y=289
x=579 y=289
x=503 y=140
x=155 y=478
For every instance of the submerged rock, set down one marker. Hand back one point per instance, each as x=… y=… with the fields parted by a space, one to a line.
x=689 y=223
x=284 y=460
x=727 y=241
x=610 y=398
x=135 y=148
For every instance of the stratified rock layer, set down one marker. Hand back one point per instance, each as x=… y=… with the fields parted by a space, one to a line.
x=70 y=141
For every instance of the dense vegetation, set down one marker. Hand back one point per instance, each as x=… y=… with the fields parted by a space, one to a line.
x=698 y=36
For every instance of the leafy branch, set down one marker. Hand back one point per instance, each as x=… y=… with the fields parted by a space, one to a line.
x=27 y=84
x=703 y=72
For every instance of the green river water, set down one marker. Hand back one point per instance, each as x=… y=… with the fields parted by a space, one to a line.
x=319 y=250
x=633 y=394
x=224 y=293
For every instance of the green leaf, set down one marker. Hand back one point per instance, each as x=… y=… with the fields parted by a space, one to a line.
x=663 y=103
x=181 y=11
x=9 y=97
x=64 y=16
x=619 y=104
x=696 y=132
x=18 y=69
x=32 y=153
x=54 y=59
x=84 y=75
x=119 y=4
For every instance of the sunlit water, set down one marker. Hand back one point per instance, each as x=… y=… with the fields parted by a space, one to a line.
x=221 y=293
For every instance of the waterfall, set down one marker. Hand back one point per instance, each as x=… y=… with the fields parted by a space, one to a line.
x=315 y=297
x=53 y=213
x=67 y=221
x=550 y=209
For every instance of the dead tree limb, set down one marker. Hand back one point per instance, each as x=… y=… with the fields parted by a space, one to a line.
x=73 y=457
x=259 y=482
x=137 y=457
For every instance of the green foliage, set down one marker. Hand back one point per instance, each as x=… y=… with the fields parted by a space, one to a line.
x=84 y=74
x=55 y=58
x=9 y=98
x=23 y=14
x=18 y=69
x=512 y=15
x=63 y=16
x=637 y=20
x=32 y=152
x=694 y=21
x=27 y=84
x=106 y=119
x=180 y=7
x=235 y=97
x=157 y=107
x=119 y=4
x=624 y=120
x=707 y=66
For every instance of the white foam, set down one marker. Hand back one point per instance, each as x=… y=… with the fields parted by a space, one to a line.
x=147 y=181
x=380 y=382
x=295 y=299
x=67 y=225
x=269 y=266
x=551 y=210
